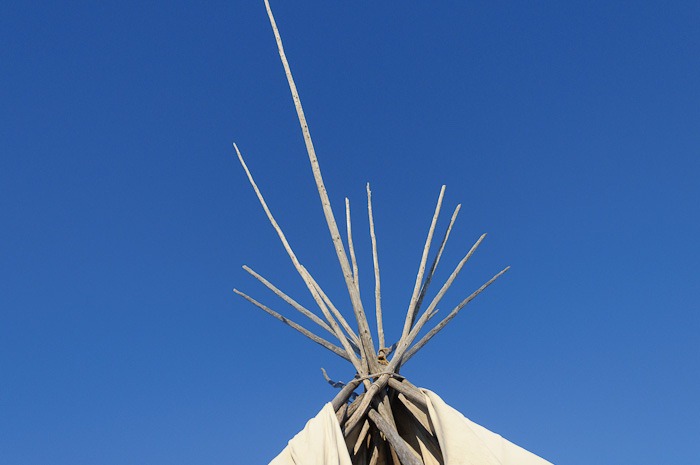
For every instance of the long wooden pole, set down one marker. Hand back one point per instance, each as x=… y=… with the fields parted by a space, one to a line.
x=377 y=281
x=306 y=312
x=406 y=455
x=300 y=308
x=351 y=246
x=305 y=276
x=365 y=334
x=443 y=290
x=317 y=339
x=424 y=340
x=334 y=310
x=433 y=267
x=412 y=309
x=398 y=357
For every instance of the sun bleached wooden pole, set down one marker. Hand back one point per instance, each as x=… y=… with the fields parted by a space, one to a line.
x=377 y=281
x=410 y=391
x=445 y=287
x=310 y=282
x=300 y=308
x=344 y=394
x=306 y=277
x=356 y=362
x=355 y=270
x=343 y=322
x=351 y=246
x=424 y=340
x=402 y=348
x=410 y=313
x=317 y=339
x=363 y=327
x=368 y=422
x=403 y=450
x=433 y=267
x=377 y=448
x=378 y=385
x=306 y=312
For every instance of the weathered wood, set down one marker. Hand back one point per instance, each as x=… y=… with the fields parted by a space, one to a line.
x=429 y=312
x=377 y=281
x=364 y=403
x=408 y=322
x=449 y=317
x=408 y=390
x=351 y=247
x=356 y=278
x=418 y=412
x=376 y=447
x=414 y=425
x=308 y=313
x=342 y=397
x=352 y=408
x=360 y=455
x=383 y=406
x=334 y=310
x=374 y=404
x=341 y=413
x=380 y=456
x=361 y=437
x=392 y=453
x=318 y=340
x=433 y=267
x=381 y=381
x=351 y=440
x=445 y=287
x=405 y=342
x=305 y=275
x=407 y=456
x=365 y=335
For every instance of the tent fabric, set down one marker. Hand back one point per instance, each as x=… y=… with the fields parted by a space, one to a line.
x=462 y=441
x=321 y=442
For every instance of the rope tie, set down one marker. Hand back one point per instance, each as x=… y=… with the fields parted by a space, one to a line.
x=377 y=375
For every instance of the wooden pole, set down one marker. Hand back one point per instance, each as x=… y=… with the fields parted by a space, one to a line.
x=421 y=269
x=363 y=327
x=351 y=247
x=318 y=340
x=377 y=283
x=355 y=270
x=344 y=394
x=411 y=392
x=289 y=300
x=449 y=317
x=336 y=312
x=406 y=455
x=381 y=381
x=436 y=300
x=305 y=276
x=433 y=267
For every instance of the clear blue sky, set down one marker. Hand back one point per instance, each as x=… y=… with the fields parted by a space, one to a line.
x=569 y=131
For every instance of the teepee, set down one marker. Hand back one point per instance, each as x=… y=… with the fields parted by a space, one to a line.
x=390 y=421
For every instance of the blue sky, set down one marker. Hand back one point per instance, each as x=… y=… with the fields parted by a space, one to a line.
x=569 y=131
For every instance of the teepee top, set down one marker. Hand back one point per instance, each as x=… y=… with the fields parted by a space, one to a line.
x=376 y=361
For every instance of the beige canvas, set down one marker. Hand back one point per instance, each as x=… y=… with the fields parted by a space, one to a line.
x=462 y=441
x=320 y=443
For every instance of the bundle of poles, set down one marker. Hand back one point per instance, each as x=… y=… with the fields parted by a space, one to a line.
x=377 y=366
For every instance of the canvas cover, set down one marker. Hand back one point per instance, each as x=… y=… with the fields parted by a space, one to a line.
x=320 y=443
x=462 y=442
